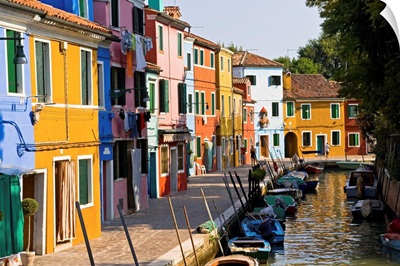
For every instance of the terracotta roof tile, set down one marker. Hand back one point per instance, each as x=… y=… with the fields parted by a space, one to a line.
x=202 y=41
x=51 y=11
x=310 y=86
x=245 y=58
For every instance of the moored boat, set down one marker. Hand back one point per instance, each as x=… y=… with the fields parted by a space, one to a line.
x=368 y=209
x=352 y=165
x=234 y=260
x=255 y=247
x=391 y=240
x=288 y=181
x=311 y=181
x=314 y=168
x=297 y=194
x=361 y=184
x=285 y=202
x=269 y=229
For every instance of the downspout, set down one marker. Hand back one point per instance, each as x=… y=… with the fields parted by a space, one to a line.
x=64 y=53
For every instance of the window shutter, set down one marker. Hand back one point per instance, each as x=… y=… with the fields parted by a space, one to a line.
x=161 y=90
x=184 y=97
x=166 y=94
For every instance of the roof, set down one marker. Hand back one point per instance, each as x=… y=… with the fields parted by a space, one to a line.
x=307 y=86
x=163 y=17
x=245 y=58
x=202 y=41
x=49 y=12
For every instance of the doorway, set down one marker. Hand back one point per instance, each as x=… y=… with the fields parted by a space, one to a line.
x=264 y=146
x=321 y=140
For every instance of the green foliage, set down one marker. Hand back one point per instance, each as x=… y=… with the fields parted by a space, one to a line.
x=258 y=174
x=29 y=206
x=231 y=46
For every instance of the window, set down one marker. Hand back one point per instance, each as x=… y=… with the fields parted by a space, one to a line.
x=189 y=61
x=114 y=13
x=252 y=79
x=197 y=105
x=100 y=83
x=164 y=160
x=203 y=103
x=180 y=158
x=229 y=106
x=196 y=56
x=83 y=8
x=164 y=96
x=353 y=110
x=231 y=146
x=198 y=147
x=152 y=95
x=86 y=77
x=274 y=80
x=14 y=71
x=223 y=105
x=222 y=63
x=354 y=139
x=138 y=20
x=160 y=38
x=306 y=111
x=179 y=44
x=290 y=108
x=190 y=103
x=276 y=139
x=121 y=158
x=202 y=57
x=275 y=109
x=212 y=60
x=244 y=115
x=142 y=145
x=182 y=98
x=85 y=180
x=334 y=110
x=42 y=58
x=212 y=103
x=245 y=144
x=306 y=139
x=229 y=66
x=335 y=137
x=140 y=89
x=118 y=86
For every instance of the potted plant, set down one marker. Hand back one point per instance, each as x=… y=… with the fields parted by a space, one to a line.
x=29 y=208
x=258 y=174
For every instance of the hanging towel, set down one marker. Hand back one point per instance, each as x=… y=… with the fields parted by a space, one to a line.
x=149 y=44
x=133 y=125
x=140 y=60
x=126 y=122
x=129 y=63
x=138 y=125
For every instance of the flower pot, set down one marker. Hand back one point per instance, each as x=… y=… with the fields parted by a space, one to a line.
x=27 y=257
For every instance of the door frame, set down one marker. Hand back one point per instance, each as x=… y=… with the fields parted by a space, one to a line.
x=318 y=138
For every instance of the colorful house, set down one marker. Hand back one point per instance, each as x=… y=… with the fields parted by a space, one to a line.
x=225 y=129
x=64 y=119
x=244 y=85
x=266 y=79
x=167 y=33
x=206 y=119
x=314 y=116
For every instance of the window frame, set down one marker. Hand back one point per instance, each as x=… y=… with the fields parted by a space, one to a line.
x=152 y=96
x=333 y=116
x=212 y=60
x=114 y=9
x=275 y=109
x=189 y=61
x=245 y=115
x=305 y=111
x=276 y=139
x=213 y=103
x=350 y=107
x=180 y=157
x=198 y=147
x=15 y=76
x=89 y=73
x=90 y=196
x=196 y=56
x=275 y=80
x=333 y=142
x=222 y=64
x=349 y=135
x=164 y=160
x=47 y=90
x=180 y=44
x=303 y=134
x=160 y=33
x=202 y=57
x=290 y=113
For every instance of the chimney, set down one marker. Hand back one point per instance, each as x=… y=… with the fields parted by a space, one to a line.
x=173 y=11
x=156 y=5
x=287 y=80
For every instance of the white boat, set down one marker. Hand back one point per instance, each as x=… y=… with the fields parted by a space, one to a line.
x=368 y=209
x=361 y=184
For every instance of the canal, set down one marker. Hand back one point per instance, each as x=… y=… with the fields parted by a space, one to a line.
x=324 y=232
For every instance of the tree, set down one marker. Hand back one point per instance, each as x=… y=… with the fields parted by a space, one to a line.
x=369 y=47
x=233 y=47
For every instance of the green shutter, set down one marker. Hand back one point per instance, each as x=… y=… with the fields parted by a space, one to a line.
x=196 y=56
x=213 y=104
x=83 y=182
x=11 y=67
x=190 y=103
x=289 y=109
x=184 y=98
x=197 y=102
x=198 y=147
x=203 y=111
x=161 y=96
x=152 y=94
x=160 y=38
x=166 y=96
x=179 y=44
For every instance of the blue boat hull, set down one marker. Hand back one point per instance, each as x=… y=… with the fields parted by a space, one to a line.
x=253 y=228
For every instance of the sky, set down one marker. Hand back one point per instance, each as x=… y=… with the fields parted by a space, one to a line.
x=269 y=28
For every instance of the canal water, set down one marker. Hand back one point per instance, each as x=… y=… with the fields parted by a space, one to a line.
x=324 y=232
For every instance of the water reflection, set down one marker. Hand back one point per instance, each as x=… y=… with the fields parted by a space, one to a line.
x=324 y=231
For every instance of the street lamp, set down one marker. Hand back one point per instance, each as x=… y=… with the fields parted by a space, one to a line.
x=19 y=57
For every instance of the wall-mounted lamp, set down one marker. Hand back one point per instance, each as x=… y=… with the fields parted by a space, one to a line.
x=207 y=106
x=19 y=57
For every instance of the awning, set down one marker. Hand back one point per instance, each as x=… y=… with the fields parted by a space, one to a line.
x=8 y=169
